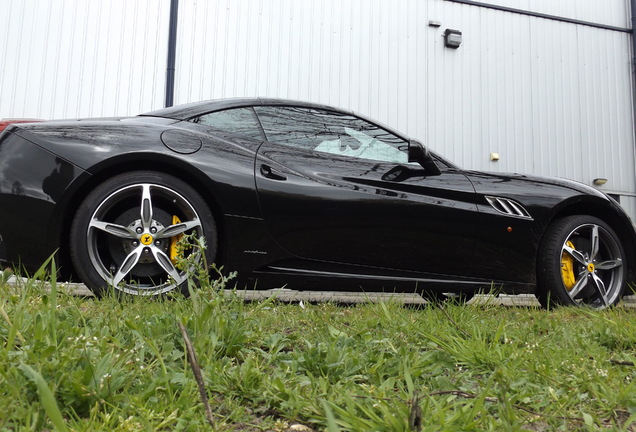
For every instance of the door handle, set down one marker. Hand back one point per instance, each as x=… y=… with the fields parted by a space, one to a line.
x=273 y=174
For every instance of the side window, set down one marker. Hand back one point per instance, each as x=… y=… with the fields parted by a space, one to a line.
x=240 y=121
x=331 y=132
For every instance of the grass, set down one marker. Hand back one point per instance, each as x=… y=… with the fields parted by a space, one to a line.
x=72 y=363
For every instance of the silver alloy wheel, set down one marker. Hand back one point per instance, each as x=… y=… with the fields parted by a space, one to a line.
x=592 y=268
x=130 y=233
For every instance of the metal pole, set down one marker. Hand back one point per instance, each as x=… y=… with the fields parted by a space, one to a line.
x=633 y=7
x=172 y=50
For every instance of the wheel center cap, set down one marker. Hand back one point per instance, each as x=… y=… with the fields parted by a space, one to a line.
x=146 y=239
x=590 y=267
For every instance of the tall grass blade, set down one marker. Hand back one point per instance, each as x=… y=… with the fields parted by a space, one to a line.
x=332 y=425
x=46 y=397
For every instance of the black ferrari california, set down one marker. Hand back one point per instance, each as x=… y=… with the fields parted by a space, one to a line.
x=298 y=195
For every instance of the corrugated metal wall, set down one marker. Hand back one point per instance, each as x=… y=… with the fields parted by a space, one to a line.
x=78 y=58
x=358 y=54
x=550 y=97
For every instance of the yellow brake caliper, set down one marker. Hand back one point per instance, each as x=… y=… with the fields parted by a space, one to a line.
x=175 y=253
x=567 y=268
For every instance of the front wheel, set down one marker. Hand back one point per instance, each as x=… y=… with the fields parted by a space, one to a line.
x=126 y=234
x=580 y=263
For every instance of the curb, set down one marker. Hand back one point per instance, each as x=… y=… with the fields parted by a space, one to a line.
x=287 y=295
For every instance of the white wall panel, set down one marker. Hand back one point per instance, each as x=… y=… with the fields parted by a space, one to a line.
x=78 y=58
x=367 y=55
x=551 y=98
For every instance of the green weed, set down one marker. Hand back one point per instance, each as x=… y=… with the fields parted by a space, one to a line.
x=71 y=363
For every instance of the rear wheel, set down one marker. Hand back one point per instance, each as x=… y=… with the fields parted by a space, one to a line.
x=125 y=234
x=580 y=263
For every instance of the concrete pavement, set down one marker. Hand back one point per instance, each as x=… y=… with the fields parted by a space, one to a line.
x=287 y=295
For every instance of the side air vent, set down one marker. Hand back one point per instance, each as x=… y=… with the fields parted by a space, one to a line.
x=508 y=207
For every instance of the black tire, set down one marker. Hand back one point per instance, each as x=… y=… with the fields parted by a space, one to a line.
x=123 y=233
x=580 y=263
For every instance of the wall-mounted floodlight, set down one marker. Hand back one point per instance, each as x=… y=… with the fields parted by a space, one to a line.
x=452 y=38
x=599 y=181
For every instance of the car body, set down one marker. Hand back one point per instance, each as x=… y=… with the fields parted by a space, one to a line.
x=299 y=195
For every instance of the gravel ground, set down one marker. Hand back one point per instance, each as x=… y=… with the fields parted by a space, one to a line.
x=287 y=295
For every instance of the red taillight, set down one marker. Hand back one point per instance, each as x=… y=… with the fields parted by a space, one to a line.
x=6 y=122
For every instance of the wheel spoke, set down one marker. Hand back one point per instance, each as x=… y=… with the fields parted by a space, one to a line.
x=578 y=286
x=576 y=254
x=114 y=229
x=600 y=287
x=125 y=267
x=609 y=264
x=146 y=207
x=595 y=243
x=176 y=229
x=165 y=263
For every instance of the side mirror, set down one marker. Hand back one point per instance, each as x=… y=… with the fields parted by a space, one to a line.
x=418 y=153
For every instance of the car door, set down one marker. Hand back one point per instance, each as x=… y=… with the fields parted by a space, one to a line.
x=334 y=187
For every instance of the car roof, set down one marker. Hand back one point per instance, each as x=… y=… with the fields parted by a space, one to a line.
x=190 y=110
x=194 y=109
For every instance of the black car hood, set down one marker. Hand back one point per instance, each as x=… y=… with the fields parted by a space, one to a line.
x=485 y=182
